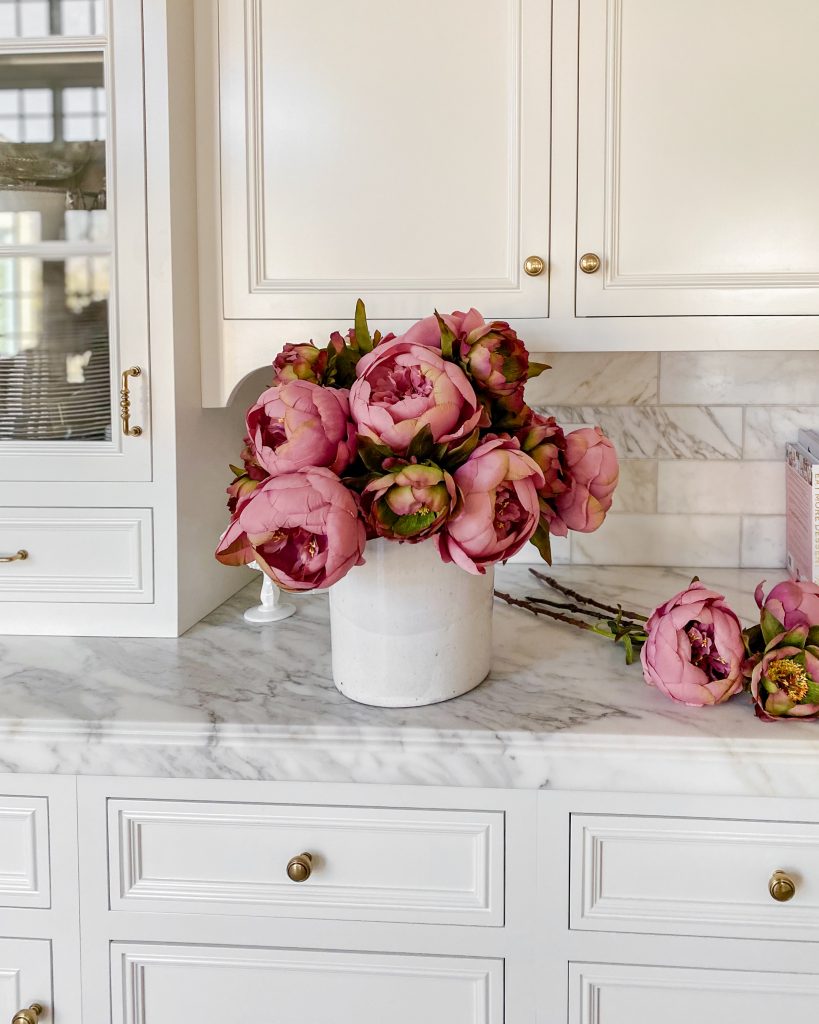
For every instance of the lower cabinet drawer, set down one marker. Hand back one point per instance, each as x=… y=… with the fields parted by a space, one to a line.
x=25 y=977
x=694 y=876
x=421 y=866
x=626 y=994
x=212 y=985
x=76 y=554
x=24 y=863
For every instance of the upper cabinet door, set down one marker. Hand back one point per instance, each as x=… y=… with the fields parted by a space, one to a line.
x=697 y=157
x=393 y=150
x=73 y=294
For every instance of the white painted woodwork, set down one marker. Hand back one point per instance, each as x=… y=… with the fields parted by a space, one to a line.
x=77 y=554
x=693 y=876
x=377 y=864
x=379 y=152
x=25 y=976
x=163 y=985
x=626 y=994
x=696 y=166
x=24 y=868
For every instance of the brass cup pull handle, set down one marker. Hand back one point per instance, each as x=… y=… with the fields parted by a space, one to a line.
x=29 y=1016
x=21 y=556
x=589 y=263
x=781 y=887
x=534 y=266
x=300 y=868
x=125 y=403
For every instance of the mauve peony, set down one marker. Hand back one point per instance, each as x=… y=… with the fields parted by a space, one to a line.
x=545 y=442
x=695 y=650
x=302 y=529
x=591 y=471
x=410 y=501
x=403 y=387
x=785 y=684
x=303 y=361
x=499 y=514
x=791 y=603
x=300 y=424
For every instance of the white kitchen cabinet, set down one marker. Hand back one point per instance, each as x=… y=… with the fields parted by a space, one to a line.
x=696 y=161
x=25 y=977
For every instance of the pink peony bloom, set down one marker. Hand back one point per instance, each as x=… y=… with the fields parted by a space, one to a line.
x=785 y=684
x=499 y=485
x=791 y=603
x=591 y=472
x=300 y=424
x=410 y=501
x=403 y=387
x=695 y=650
x=303 y=529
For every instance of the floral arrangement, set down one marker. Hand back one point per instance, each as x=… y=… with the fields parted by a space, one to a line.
x=694 y=650
x=421 y=437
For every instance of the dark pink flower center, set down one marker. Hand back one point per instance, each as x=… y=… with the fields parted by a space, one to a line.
x=400 y=382
x=508 y=510
x=293 y=551
x=704 y=654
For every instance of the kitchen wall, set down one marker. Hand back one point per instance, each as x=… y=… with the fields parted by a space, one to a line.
x=701 y=439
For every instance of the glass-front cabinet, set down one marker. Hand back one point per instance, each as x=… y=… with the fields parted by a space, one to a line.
x=73 y=303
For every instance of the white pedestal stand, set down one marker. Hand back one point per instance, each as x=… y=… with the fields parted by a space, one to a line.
x=272 y=607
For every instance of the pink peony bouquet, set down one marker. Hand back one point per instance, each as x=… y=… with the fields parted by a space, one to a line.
x=421 y=437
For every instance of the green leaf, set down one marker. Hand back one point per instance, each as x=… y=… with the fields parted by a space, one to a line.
x=796 y=638
x=535 y=369
x=812 y=696
x=542 y=541
x=447 y=337
x=372 y=454
x=813 y=637
x=629 y=649
x=771 y=626
x=363 y=339
x=754 y=642
x=420 y=447
x=457 y=456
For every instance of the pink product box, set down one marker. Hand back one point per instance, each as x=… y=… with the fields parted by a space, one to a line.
x=803 y=507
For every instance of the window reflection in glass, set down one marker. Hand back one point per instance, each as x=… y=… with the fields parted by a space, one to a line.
x=54 y=349
x=32 y=18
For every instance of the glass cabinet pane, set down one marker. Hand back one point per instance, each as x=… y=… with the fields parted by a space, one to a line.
x=52 y=148
x=33 y=18
x=55 y=373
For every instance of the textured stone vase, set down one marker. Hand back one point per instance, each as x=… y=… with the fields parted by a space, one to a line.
x=408 y=629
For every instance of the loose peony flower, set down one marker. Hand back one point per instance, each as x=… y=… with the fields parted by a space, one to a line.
x=302 y=361
x=785 y=683
x=302 y=529
x=499 y=514
x=792 y=604
x=591 y=471
x=411 y=501
x=404 y=387
x=695 y=650
x=300 y=424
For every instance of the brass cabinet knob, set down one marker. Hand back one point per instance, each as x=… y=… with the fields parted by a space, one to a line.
x=781 y=887
x=300 y=868
x=29 y=1016
x=589 y=263
x=534 y=265
x=21 y=556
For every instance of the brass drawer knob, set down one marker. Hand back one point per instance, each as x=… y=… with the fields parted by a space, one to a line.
x=589 y=263
x=21 y=556
x=29 y=1016
x=534 y=265
x=781 y=887
x=300 y=868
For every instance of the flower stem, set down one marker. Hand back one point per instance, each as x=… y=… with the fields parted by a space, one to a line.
x=538 y=609
x=591 y=612
x=575 y=596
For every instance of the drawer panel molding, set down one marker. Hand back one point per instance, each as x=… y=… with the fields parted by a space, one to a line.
x=24 y=861
x=369 y=864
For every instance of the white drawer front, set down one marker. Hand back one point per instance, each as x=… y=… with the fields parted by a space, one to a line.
x=25 y=977
x=77 y=554
x=24 y=870
x=626 y=994
x=369 y=864
x=693 y=876
x=212 y=985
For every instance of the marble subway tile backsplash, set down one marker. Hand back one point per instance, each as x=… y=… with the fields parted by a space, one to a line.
x=701 y=438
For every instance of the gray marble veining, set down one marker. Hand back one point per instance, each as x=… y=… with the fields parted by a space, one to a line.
x=231 y=700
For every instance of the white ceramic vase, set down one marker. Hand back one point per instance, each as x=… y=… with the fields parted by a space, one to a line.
x=408 y=629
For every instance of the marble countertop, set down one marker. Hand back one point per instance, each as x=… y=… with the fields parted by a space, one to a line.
x=230 y=700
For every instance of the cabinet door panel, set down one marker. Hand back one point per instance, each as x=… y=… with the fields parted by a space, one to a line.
x=156 y=985
x=25 y=976
x=398 y=152
x=696 y=160
x=627 y=994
